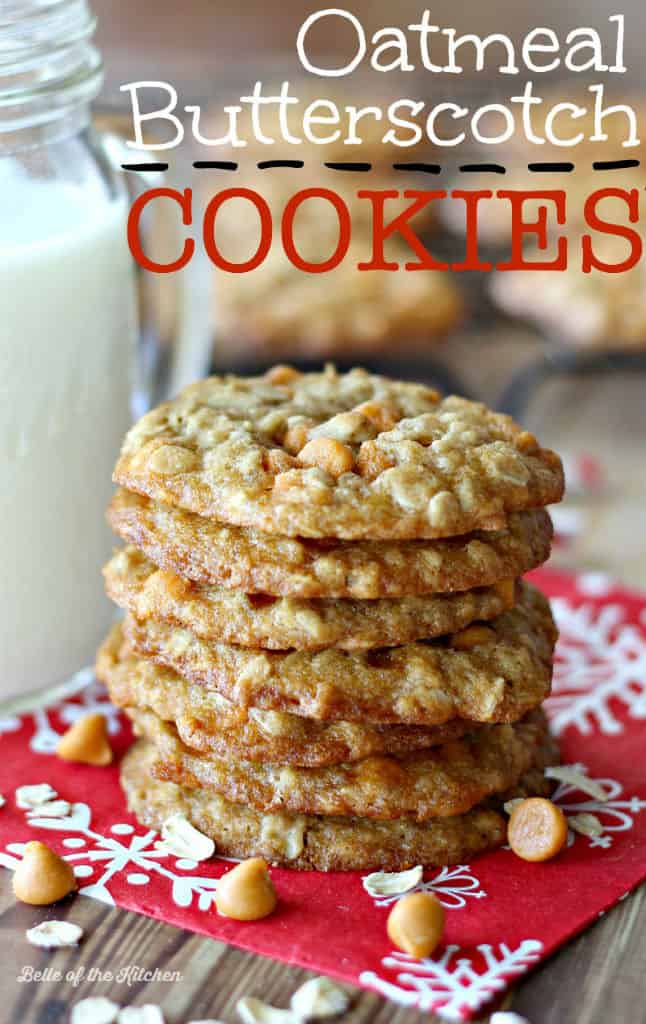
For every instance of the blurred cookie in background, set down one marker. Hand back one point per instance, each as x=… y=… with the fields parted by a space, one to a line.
x=585 y=177
x=278 y=309
x=494 y=214
x=596 y=310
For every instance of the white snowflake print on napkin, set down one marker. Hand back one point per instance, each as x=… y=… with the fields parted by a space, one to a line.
x=91 y=698
x=614 y=813
x=600 y=660
x=123 y=853
x=453 y=986
x=453 y=886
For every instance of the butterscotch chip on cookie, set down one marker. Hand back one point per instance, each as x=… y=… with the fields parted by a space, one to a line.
x=210 y=552
x=280 y=623
x=447 y=467
x=322 y=843
x=208 y=722
x=425 y=683
x=441 y=782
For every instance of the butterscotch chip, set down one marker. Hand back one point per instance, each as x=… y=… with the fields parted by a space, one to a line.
x=472 y=636
x=453 y=447
x=281 y=375
x=42 y=877
x=256 y=620
x=319 y=843
x=416 y=924
x=424 y=683
x=328 y=454
x=443 y=781
x=507 y=590
x=278 y=461
x=527 y=442
x=372 y=462
x=537 y=829
x=382 y=414
x=246 y=893
x=210 y=723
x=206 y=551
x=296 y=437
x=86 y=742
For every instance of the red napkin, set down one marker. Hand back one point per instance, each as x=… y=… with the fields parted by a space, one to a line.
x=503 y=915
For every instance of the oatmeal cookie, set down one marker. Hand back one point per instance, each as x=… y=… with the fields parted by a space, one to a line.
x=278 y=311
x=208 y=722
x=503 y=675
x=337 y=455
x=209 y=552
x=598 y=310
x=440 y=782
x=495 y=219
x=321 y=843
x=282 y=623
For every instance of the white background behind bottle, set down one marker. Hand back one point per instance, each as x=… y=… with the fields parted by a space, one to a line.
x=66 y=345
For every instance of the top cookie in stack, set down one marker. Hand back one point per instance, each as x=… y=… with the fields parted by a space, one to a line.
x=327 y=649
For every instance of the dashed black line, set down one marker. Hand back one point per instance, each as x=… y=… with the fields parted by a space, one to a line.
x=266 y=165
x=345 y=166
x=614 y=165
x=145 y=167
x=541 y=167
x=551 y=167
x=215 y=165
x=483 y=169
x=419 y=168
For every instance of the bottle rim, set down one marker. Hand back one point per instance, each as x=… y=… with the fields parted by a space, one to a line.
x=48 y=64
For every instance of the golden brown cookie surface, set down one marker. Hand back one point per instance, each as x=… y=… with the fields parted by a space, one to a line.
x=337 y=455
x=206 y=551
x=441 y=782
x=499 y=679
x=323 y=844
x=208 y=722
x=281 y=623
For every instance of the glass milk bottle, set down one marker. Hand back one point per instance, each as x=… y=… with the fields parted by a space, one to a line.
x=67 y=330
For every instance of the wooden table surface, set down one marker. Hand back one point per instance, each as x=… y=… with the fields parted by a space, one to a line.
x=596 y=979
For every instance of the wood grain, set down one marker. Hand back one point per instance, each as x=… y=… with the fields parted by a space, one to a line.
x=597 y=979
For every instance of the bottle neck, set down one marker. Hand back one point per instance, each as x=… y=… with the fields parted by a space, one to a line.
x=49 y=71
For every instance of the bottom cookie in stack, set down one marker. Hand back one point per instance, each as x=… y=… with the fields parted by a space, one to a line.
x=326 y=843
x=350 y=795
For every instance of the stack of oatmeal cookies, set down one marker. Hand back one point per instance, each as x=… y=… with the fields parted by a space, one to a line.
x=328 y=653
